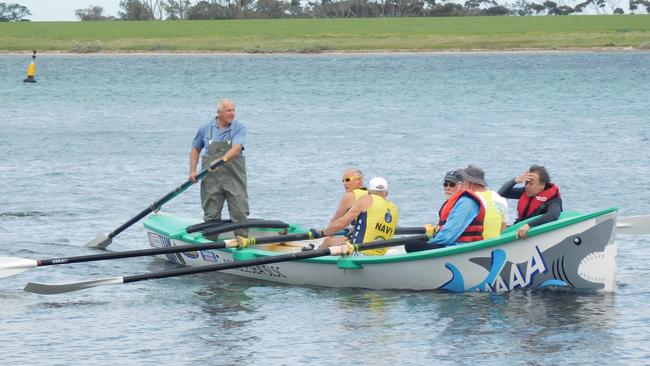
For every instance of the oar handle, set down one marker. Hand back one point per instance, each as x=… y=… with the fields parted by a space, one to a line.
x=244 y=242
x=166 y=198
x=338 y=250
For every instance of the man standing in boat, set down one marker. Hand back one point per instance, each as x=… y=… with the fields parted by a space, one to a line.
x=461 y=217
x=538 y=197
x=375 y=218
x=222 y=138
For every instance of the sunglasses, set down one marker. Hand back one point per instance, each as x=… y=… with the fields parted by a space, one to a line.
x=349 y=179
x=449 y=184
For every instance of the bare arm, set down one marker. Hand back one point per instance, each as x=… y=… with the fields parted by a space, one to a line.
x=194 y=159
x=344 y=205
x=234 y=152
x=357 y=208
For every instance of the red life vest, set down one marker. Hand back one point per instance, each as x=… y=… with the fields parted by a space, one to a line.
x=532 y=206
x=474 y=231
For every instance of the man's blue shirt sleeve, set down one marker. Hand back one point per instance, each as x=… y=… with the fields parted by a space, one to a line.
x=239 y=135
x=464 y=212
x=199 y=139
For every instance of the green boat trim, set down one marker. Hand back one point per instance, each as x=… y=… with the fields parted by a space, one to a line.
x=174 y=228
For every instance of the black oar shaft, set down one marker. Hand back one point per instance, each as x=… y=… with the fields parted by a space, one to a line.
x=410 y=230
x=166 y=198
x=267 y=260
x=131 y=253
x=270 y=224
x=174 y=249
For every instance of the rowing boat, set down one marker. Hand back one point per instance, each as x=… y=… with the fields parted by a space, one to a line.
x=578 y=251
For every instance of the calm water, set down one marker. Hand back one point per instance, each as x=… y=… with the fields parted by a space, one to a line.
x=98 y=138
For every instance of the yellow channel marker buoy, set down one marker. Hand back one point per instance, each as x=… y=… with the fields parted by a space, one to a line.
x=31 y=70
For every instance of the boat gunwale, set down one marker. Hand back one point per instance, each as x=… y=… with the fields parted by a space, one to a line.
x=509 y=237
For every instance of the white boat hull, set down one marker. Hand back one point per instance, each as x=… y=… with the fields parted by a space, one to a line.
x=581 y=255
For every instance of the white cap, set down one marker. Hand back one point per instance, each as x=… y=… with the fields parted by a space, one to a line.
x=378 y=184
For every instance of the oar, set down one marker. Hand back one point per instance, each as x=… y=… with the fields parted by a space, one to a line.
x=45 y=289
x=104 y=240
x=255 y=223
x=10 y=266
x=401 y=230
x=633 y=225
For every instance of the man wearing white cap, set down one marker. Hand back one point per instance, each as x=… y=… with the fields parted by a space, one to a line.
x=375 y=218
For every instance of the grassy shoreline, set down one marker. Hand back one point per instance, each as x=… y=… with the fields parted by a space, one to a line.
x=575 y=33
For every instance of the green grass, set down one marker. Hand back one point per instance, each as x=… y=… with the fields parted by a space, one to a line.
x=316 y=35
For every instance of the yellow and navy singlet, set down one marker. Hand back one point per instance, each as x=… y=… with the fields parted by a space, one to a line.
x=377 y=223
x=358 y=193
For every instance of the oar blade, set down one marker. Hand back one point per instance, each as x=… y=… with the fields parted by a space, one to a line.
x=45 y=289
x=101 y=242
x=633 y=225
x=10 y=266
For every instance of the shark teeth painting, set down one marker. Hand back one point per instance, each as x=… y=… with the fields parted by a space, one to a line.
x=600 y=267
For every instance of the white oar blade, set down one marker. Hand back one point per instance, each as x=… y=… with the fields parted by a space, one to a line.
x=633 y=225
x=45 y=289
x=10 y=266
x=101 y=242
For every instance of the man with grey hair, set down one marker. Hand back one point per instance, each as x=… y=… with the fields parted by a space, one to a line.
x=222 y=138
x=353 y=184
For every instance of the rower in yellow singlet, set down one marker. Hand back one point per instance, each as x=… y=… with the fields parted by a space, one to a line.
x=375 y=218
x=354 y=189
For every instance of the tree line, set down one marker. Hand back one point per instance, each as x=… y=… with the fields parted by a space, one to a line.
x=260 y=9
x=264 y=9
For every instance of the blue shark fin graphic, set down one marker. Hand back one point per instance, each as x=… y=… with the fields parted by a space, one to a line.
x=496 y=265
x=553 y=283
x=456 y=284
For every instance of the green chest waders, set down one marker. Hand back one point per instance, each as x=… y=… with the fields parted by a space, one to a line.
x=227 y=184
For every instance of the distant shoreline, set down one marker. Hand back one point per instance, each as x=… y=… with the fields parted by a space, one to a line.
x=355 y=53
x=333 y=35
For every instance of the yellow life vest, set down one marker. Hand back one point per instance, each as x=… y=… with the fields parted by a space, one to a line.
x=377 y=223
x=493 y=218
